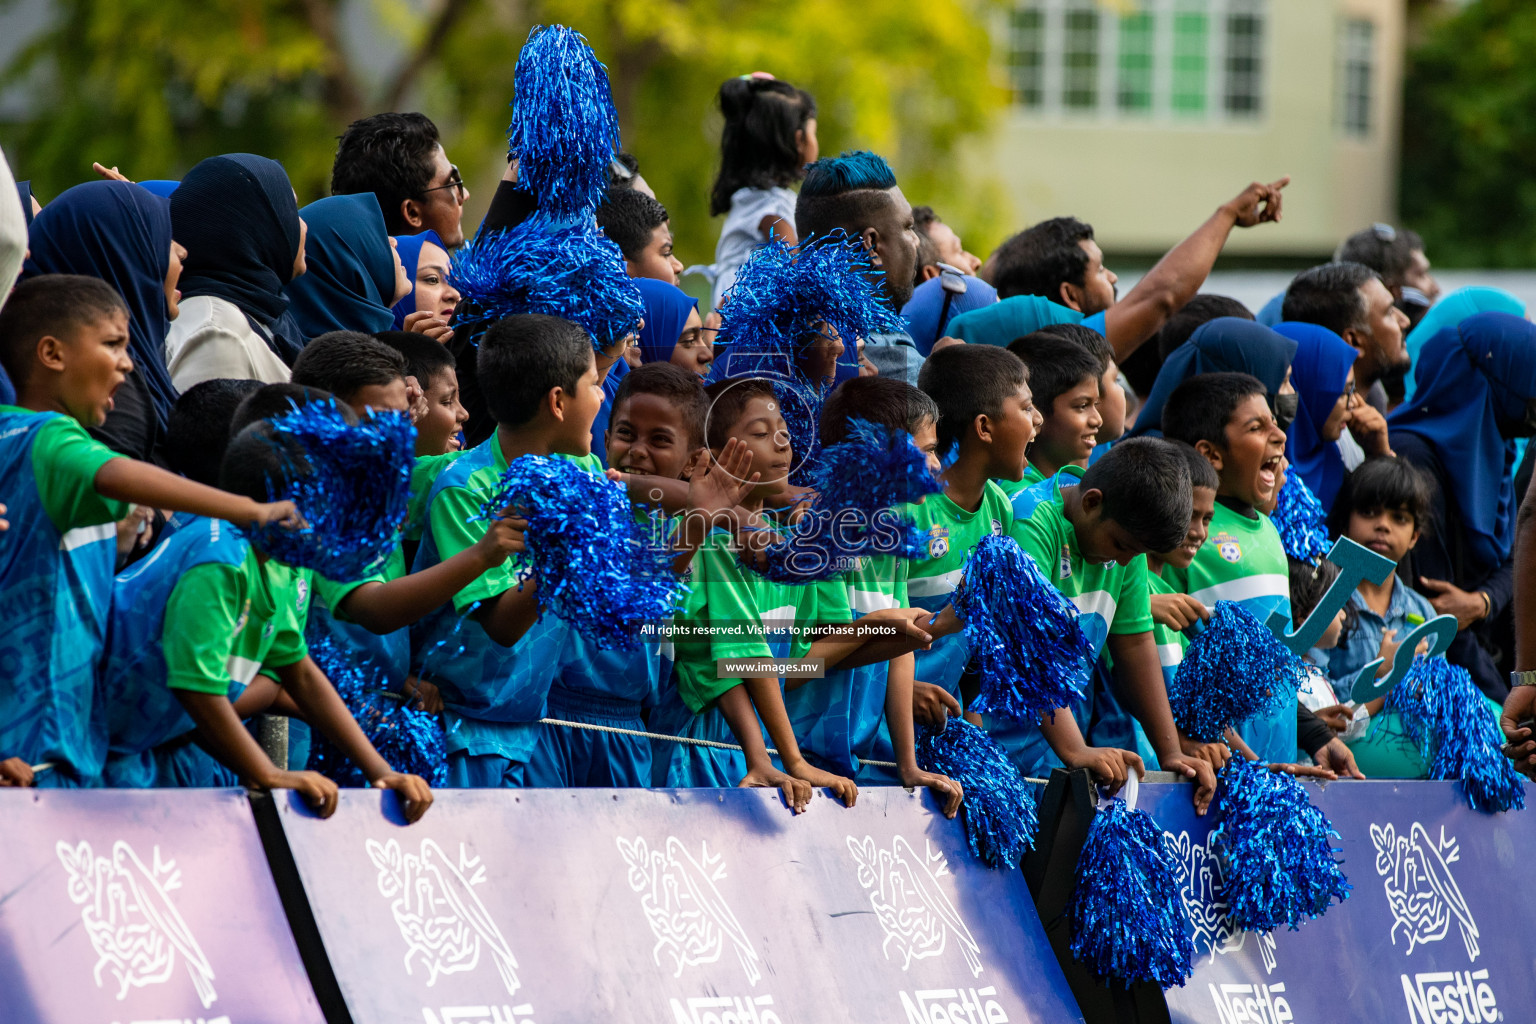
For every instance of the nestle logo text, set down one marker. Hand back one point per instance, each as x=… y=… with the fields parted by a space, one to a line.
x=1450 y=997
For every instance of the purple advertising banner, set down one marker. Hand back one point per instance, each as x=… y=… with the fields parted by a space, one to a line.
x=673 y=906
x=142 y=907
x=1432 y=933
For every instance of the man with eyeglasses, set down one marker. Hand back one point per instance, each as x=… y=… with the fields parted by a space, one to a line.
x=400 y=159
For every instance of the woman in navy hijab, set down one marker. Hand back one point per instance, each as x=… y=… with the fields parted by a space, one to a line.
x=122 y=234
x=1476 y=393
x=1322 y=374
x=1227 y=344
x=237 y=216
x=354 y=275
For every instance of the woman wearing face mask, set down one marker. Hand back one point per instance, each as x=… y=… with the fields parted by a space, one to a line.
x=1225 y=345
x=1476 y=394
x=1324 y=377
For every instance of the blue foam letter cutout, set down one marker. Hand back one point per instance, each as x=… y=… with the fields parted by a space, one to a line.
x=1358 y=563
x=1355 y=563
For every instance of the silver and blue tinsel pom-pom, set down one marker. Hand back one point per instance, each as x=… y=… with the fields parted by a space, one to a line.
x=351 y=482
x=1445 y=715
x=574 y=273
x=858 y=483
x=786 y=298
x=410 y=739
x=597 y=568
x=1025 y=636
x=999 y=810
x=1126 y=912
x=1276 y=849
x=1234 y=670
x=564 y=128
x=1301 y=520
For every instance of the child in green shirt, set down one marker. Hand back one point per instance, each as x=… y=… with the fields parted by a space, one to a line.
x=64 y=345
x=1089 y=532
x=1226 y=418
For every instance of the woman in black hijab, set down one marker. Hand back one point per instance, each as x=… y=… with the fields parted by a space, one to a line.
x=238 y=217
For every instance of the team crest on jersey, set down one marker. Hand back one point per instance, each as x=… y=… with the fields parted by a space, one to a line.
x=303 y=591
x=938 y=544
x=245 y=616
x=997 y=527
x=1066 y=563
x=1228 y=547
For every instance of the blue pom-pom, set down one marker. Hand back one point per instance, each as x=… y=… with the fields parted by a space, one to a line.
x=999 y=807
x=874 y=467
x=350 y=481
x=1025 y=636
x=858 y=481
x=574 y=273
x=564 y=128
x=1234 y=670
x=1446 y=716
x=410 y=739
x=787 y=298
x=1126 y=912
x=598 y=568
x=1276 y=848
x=1301 y=520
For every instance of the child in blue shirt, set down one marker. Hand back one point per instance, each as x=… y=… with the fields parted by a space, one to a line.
x=488 y=651
x=64 y=344
x=1380 y=506
x=862 y=710
x=656 y=428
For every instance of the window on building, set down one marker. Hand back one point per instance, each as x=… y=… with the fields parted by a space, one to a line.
x=1191 y=43
x=1187 y=59
x=1026 y=55
x=1244 y=60
x=1080 y=57
x=1133 y=91
x=1357 y=39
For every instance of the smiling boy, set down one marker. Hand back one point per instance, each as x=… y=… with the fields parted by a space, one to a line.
x=1226 y=418
x=1064 y=377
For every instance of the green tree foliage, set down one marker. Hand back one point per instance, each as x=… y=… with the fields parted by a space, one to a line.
x=155 y=85
x=1469 y=136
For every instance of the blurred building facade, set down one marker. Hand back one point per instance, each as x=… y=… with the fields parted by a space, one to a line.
x=1141 y=116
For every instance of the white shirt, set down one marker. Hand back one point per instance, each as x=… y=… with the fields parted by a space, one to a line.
x=212 y=339
x=739 y=234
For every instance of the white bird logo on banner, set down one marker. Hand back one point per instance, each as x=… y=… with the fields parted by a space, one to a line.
x=133 y=926
x=910 y=904
x=1421 y=891
x=443 y=922
x=687 y=914
x=1202 y=888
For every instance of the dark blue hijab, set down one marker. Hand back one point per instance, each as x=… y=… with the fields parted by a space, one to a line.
x=1319 y=373
x=350 y=283
x=240 y=223
x=1227 y=344
x=122 y=234
x=1470 y=378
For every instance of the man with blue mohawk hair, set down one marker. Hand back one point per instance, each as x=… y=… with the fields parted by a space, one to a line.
x=857 y=193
